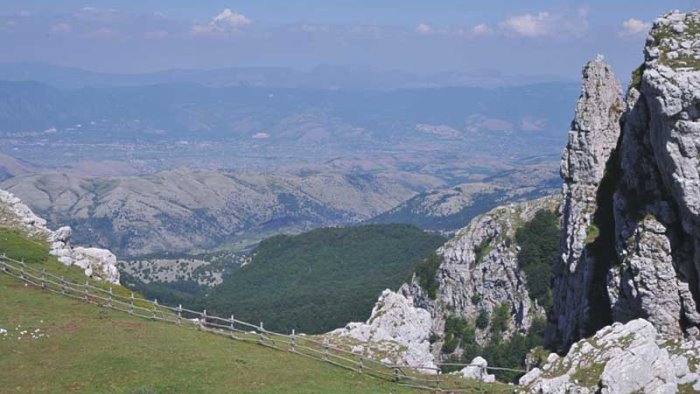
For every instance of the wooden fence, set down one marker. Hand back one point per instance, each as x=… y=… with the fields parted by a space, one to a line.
x=426 y=378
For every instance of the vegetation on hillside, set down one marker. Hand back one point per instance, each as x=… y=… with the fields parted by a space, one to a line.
x=323 y=279
x=426 y=272
x=539 y=242
x=510 y=353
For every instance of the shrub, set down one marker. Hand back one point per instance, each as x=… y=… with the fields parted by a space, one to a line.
x=481 y=250
x=482 y=321
x=426 y=271
x=500 y=319
x=476 y=298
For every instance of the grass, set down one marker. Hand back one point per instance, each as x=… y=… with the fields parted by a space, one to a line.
x=79 y=347
x=592 y=234
x=90 y=349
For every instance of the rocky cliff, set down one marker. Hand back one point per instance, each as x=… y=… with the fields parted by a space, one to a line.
x=96 y=263
x=631 y=216
x=478 y=273
x=592 y=139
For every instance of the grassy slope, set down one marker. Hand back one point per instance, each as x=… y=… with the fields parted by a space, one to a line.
x=92 y=349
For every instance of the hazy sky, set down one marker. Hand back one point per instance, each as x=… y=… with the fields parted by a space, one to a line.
x=514 y=37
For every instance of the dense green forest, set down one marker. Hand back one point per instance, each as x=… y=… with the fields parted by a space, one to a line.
x=320 y=280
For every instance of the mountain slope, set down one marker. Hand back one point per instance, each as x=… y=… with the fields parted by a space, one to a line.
x=69 y=346
x=322 y=279
x=177 y=211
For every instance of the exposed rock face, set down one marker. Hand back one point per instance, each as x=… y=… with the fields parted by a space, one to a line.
x=631 y=231
x=480 y=260
x=97 y=263
x=397 y=328
x=657 y=205
x=480 y=269
x=621 y=358
x=593 y=136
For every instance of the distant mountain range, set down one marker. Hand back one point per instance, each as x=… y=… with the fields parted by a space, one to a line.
x=322 y=77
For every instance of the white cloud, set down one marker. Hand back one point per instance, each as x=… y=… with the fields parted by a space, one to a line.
x=227 y=21
x=97 y=14
x=545 y=24
x=61 y=28
x=634 y=27
x=529 y=25
x=424 y=29
x=481 y=29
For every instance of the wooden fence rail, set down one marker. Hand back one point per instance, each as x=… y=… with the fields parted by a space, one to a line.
x=426 y=378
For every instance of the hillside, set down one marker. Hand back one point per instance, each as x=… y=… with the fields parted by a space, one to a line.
x=177 y=211
x=320 y=280
x=54 y=344
x=449 y=209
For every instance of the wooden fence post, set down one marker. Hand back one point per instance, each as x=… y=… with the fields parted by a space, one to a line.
x=21 y=271
x=361 y=363
x=179 y=314
x=155 y=308
x=231 y=327
x=63 y=285
x=203 y=320
x=131 y=304
x=109 y=302
x=396 y=374
x=293 y=345
x=325 y=349
x=43 y=278
x=85 y=296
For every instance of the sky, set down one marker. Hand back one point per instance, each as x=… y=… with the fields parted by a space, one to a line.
x=533 y=38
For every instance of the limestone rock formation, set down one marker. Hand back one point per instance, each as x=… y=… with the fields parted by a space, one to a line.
x=477 y=370
x=657 y=204
x=480 y=269
x=621 y=358
x=592 y=139
x=631 y=216
x=96 y=263
x=397 y=328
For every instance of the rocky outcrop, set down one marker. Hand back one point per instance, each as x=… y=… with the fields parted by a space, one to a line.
x=657 y=204
x=621 y=358
x=96 y=263
x=631 y=216
x=480 y=271
x=477 y=369
x=397 y=332
x=592 y=139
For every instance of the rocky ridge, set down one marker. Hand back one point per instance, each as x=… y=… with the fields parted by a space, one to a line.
x=96 y=263
x=632 y=204
x=481 y=259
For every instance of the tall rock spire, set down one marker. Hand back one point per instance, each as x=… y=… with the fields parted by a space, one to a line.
x=592 y=139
